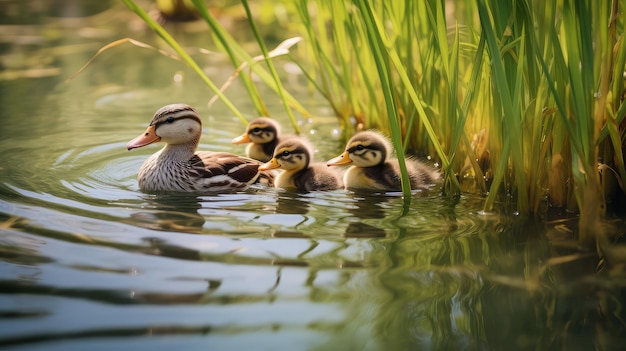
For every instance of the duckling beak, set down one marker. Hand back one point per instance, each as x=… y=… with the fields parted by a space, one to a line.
x=271 y=164
x=144 y=139
x=242 y=139
x=342 y=159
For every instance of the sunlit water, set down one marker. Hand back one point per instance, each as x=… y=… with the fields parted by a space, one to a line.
x=87 y=261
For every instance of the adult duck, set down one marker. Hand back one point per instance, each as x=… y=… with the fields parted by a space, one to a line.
x=178 y=167
x=374 y=168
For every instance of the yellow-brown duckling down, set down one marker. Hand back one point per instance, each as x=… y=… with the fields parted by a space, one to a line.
x=178 y=167
x=262 y=134
x=374 y=168
x=295 y=157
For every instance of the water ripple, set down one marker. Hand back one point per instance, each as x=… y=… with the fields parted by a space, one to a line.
x=78 y=235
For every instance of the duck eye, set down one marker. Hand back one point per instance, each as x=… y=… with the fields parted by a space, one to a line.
x=256 y=130
x=359 y=147
x=169 y=119
x=286 y=153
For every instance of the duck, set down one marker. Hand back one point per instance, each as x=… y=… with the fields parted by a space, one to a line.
x=374 y=168
x=263 y=135
x=295 y=157
x=178 y=167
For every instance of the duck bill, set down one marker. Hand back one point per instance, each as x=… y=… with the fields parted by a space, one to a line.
x=144 y=139
x=242 y=139
x=271 y=164
x=342 y=159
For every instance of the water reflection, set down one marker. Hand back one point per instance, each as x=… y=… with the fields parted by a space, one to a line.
x=363 y=207
x=432 y=288
x=367 y=205
x=364 y=230
x=170 y=212
x=290 y=202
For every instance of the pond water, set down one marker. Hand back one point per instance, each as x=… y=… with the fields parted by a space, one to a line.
x=87 y=261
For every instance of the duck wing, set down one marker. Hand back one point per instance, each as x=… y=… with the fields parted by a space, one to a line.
x=421 y=174
x=223 y=170
x=385 y=176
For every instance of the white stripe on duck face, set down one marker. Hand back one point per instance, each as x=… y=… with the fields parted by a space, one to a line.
x=371 y=156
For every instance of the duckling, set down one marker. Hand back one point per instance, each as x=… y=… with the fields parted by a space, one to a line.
x=295 y=157
x=374 y=169
x=263 y=135
x=178 y=167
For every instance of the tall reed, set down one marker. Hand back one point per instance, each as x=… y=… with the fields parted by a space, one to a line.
x=523 y=97
x=238 y=56
x=521 y=101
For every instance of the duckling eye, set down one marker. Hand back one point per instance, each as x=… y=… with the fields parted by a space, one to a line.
x=286 y=153
x=256 y=130
x=169 y=119
x=360 y=147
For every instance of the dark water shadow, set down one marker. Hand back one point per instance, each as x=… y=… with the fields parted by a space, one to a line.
x=290 y=202
x=170 y=212
x=366 y=206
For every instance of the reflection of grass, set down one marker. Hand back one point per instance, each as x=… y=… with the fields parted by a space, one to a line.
x=496 y=284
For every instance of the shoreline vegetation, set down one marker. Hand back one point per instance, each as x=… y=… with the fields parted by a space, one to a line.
x=520 y=102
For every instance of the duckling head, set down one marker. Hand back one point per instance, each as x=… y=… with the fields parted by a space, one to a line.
x=173 y=124
x=260 y=130
x=291 y=155
x=364 y=149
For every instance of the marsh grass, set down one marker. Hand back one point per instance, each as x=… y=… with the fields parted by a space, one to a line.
x=520 y=101
x=239 y=58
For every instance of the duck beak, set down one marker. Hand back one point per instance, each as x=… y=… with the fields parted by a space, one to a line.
x=342 y=159
x=144 y=139
x=242 y=139
x=269 y=165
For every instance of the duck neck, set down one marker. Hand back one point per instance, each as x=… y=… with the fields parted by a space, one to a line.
x=293 y=173
x=177 y=152
x=287 y=179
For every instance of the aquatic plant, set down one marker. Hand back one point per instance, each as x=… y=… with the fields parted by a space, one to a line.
x=238 y=56
x=521 y=102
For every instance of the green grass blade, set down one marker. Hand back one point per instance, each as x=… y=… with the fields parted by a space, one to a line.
x=227 y=44
x=512 y=125
x=401 y=72
x=239 y=54
x=270 y=65
x=377 y=47
x=161 y=32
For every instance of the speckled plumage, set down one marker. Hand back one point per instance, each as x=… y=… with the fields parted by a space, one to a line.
x=178 y=167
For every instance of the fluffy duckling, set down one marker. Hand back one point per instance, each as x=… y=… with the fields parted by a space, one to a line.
x=295 y=157
x=369 y=152
x=263 y=135
x=178 y=167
